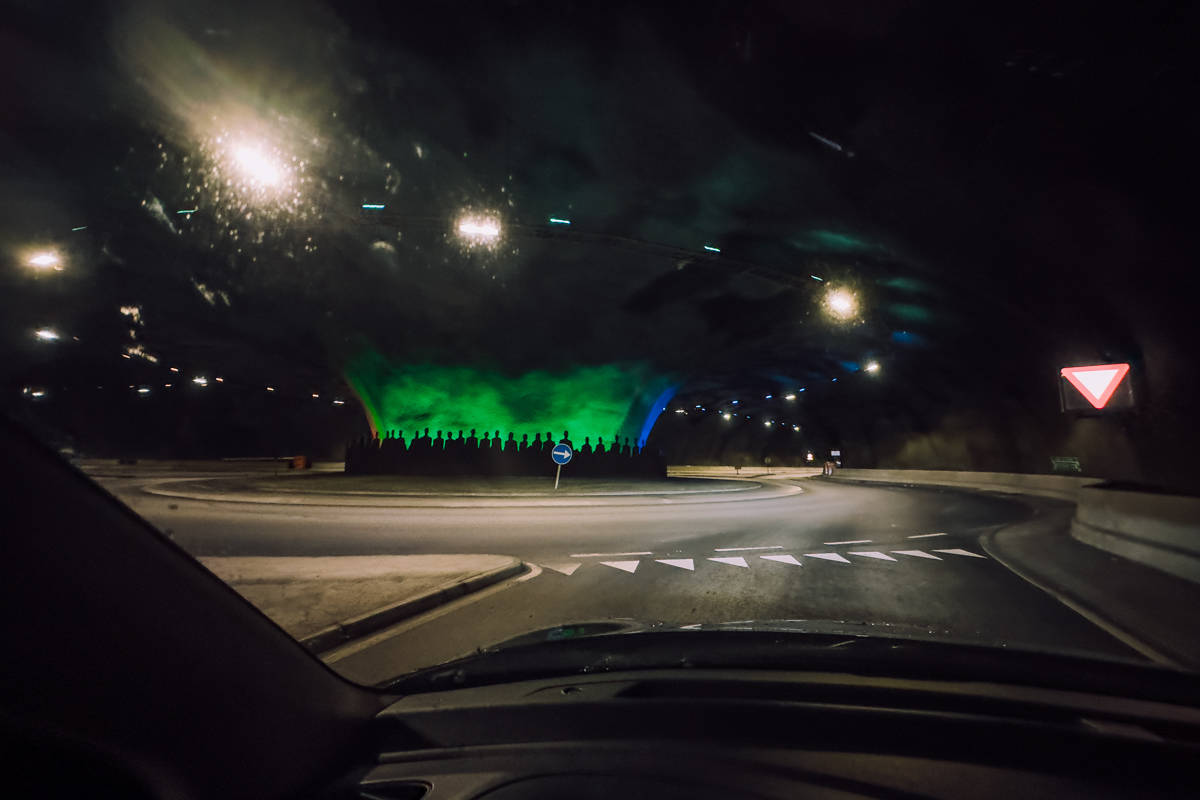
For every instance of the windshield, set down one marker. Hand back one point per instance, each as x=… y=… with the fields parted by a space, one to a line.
x=430 y=326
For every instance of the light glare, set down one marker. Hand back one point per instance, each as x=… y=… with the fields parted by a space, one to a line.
x=46 y=334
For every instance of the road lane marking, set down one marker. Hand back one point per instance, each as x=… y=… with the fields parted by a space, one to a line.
x=957 y=552
x=782 y=559
x=564 y=568
x=625 y=566
x=736 y=561
x=609 y=555
x=829 y=557
x=851 y=541
x=682 y=563
x=872 y=554
x=924 y=535
x=917 y=554
x=732 y=549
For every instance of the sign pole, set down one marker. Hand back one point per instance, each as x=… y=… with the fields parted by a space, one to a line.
x=557 y=472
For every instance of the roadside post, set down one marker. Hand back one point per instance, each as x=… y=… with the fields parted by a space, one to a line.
x=561 y=454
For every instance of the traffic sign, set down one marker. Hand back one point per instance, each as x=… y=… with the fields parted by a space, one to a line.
x=561 y=453
x=1097 y=383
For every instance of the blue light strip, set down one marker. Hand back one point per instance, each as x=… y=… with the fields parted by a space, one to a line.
x=712 y=249
x=557 y=221
x=374 y=206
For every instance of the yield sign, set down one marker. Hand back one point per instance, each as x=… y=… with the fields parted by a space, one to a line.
x=1096 y=383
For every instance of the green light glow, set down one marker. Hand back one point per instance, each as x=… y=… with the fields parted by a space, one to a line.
x=910 y=313
x=833 y=241
x=592 y=401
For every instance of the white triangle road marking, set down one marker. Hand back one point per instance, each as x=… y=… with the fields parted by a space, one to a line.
x=682 y=563
x=957 y=552
x=829 y=557
x=626 y=566
x=783 y=559
x=564 y=567
x=917 y=554
x=736 y=561
x=872 y=554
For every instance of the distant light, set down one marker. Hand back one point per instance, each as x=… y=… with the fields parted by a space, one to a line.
x=697 y=406
x=808 y=456
x=143 y=390
x=126 y=355
x=46 y=259
x=801 y=389
x=735 y=402
x=339 y=402
x=270 y=388
x=200 y=380
x=727 y=416
x=712 y=249
x=220 y=380
x=835 y=380
x=174 y=369
x=768 y=397
x=796 y=428
x=374 y=206
x=872 y=366
x=38 y=393
x=80 y=228
x=841 y=304
x=46 y=334
x=186 y=211
x=767 y=423
x=681 y=411
x=789 y=397
x=166 y=386
x=817 y=278
x=315 y=395
x=557 y=221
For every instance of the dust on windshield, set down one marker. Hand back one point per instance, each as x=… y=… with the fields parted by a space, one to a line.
x=430 y=328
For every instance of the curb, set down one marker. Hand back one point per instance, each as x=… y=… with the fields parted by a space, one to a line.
x=1083 y=609
x=356 y=627
x=494 y=501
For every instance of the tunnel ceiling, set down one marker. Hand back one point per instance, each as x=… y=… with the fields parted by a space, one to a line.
x=985 y=179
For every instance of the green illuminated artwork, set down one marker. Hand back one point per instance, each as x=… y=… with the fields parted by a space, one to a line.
x=593 y=401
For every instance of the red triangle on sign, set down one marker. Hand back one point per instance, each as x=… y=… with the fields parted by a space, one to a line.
x=1097 y=382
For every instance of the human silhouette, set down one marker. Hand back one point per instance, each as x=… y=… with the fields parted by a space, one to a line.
x=625 y=448
x=566 y=439
x=472 y=441
x=587 y=445
x=523 y=445
x=548 y=443
x=496 y=443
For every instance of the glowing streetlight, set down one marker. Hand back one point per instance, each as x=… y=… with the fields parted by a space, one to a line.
x=841 y=304
x=200 y=380
x=727 y=416
x=478 y=229
x=46 y=334
x=789 y=397
x=872 y=366
x=256 y=166
x=45 y=259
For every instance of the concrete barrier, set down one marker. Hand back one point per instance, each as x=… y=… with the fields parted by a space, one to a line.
x=1152 y=528
x=1059 y=487
x=1159 y=530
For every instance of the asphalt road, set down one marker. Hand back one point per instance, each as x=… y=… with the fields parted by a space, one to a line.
x=891 y=558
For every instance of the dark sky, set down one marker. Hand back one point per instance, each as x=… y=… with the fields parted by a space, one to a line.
x=1005 y=179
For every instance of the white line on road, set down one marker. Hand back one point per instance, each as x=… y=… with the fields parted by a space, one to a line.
x=625 y=566
x=829 y=557
x=957 y=552
x=917 y=554
x=782 y=559
x=732 y=549
x=851 y=541
x=872 y=554
x=736 y=561
x=925 y=535
x=609 y=555
x=682 y=563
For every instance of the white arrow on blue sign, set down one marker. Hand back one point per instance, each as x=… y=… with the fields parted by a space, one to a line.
x=561 y=454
